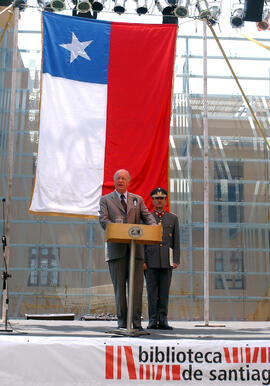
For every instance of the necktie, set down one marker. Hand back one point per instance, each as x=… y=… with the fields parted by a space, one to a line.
x=123 y=202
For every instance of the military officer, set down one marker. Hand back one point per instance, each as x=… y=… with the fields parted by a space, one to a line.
x=159 y=261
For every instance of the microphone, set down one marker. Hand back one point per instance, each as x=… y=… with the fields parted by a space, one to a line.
x=135 y=206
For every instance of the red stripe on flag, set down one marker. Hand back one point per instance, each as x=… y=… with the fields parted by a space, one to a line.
x=109 y=362
x=139 y=105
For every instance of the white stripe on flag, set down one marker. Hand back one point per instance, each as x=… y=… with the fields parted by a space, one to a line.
x=71 y=150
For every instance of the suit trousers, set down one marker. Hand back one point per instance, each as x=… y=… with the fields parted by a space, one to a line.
x=158 y=281
x=119 y=271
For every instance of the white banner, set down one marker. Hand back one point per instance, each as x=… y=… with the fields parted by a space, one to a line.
x=88 y=361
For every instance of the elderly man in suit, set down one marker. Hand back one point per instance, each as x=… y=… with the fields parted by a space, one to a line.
x=160 y=260
x=132 y=210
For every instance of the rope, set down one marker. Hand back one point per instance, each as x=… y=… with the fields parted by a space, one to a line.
x=6 y=26
x=237 y=81
x=256 y=41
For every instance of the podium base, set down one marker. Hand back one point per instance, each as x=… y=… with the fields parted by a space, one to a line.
x=126 y=332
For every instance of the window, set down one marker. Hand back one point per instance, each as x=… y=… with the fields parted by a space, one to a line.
x=43 y=263
x=229 y=262
x=92 y=232
x=231 y=190
x=183 y=148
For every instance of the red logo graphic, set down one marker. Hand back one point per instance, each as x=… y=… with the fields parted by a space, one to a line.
x=113 y=368
x=247 y=354
x=166 y=363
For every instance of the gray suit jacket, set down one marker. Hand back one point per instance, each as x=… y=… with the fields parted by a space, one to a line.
x=110 y=208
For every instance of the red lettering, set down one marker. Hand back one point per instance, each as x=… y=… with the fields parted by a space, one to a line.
x=119 y=362
x=167 y=367
x=141 y=371
x=255 y=355
x=247 y=354
x=130 y=362
x=235 y=355
x=227 y=355
x=109 y=362
x=159 y=372
x=263 y=354
x=176 y=372
x=153 y=371
x=147 y=371
x=241 y=350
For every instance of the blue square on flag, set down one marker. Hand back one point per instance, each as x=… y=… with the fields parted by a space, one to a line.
x=73 y=51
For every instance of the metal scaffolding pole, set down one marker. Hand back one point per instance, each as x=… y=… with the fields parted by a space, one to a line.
x=206 y=178
x=10 y=159
x=206 y=184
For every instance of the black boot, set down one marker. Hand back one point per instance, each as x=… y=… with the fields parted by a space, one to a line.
x=152 y=325
x=163 y=323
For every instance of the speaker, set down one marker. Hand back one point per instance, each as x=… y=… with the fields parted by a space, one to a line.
x=168 y=16
x=253 y=10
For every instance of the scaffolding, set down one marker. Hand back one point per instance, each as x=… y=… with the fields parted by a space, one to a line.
x=57 y=264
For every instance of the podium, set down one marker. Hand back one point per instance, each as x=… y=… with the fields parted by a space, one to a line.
x=132 y=234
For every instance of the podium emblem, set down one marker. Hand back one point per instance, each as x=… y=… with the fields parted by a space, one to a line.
x=135 y=232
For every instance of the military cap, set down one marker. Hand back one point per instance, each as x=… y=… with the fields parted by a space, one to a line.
x=159 y=192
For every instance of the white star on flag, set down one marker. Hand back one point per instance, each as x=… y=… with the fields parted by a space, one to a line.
x=76 y=48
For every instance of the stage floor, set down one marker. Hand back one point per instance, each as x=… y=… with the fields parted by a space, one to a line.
x=100 y=328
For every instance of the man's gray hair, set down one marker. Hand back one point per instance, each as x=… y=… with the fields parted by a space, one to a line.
x=123 y=171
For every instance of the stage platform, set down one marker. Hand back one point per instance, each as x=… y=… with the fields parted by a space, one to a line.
x=76 y=352
x=182 y=330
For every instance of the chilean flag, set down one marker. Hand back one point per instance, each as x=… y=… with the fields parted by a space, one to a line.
x=106 y=92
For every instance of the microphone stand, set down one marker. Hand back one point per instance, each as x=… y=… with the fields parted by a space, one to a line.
x=131 y=279
x=131 y=289
x=5 y=274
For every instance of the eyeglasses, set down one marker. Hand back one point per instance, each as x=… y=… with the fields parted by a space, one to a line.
x=159 y=198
